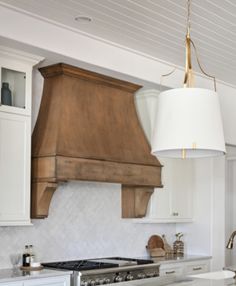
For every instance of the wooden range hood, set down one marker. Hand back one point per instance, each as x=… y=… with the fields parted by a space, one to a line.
x=87 y=129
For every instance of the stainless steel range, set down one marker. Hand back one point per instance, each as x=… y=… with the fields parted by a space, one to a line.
x=107 y=270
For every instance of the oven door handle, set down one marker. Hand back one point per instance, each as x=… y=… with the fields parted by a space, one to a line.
x=76 y=278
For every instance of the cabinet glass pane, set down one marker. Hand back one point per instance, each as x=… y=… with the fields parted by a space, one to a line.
x=13 y=88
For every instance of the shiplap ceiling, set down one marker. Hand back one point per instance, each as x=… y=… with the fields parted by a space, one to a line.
x=153 y=27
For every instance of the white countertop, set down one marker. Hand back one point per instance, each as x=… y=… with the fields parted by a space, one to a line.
x=175 y=259
x=7 y=275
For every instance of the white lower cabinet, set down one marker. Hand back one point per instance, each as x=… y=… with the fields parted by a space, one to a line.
x=185 y=268
x=171 y=269
x=50 y=281
x=14 y=169
x=12 y=284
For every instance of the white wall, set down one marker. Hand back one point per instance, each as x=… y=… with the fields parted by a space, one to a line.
x=230 y=211
x=218 y=213
x=206 y=235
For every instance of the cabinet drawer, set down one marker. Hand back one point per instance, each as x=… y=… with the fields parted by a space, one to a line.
x=174 y=270
x=12 y=284
x=196 y=268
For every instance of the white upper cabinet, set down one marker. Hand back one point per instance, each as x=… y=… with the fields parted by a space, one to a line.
x=173 y=202
x=15 y=136
x=14 y=169
x=16 y=80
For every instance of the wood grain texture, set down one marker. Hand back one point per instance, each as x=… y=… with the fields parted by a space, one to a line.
x=155 y=241
x=61 y=68
x=135 y=200
x=44 y=168
x=42 y=193
x=88 y=129
x=103 y=171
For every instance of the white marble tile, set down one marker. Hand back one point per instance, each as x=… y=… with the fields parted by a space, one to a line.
x=84 y=222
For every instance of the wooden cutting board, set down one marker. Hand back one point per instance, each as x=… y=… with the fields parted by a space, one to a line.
x=155 y=241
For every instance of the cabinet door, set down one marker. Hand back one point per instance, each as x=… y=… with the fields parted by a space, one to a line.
x=173 y=202
x=52 y=281
x=18 y=78
x=160 y=205
x=14 y=169
x=182 y=189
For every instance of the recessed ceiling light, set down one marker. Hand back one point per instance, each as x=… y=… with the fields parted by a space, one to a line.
x=83 y=19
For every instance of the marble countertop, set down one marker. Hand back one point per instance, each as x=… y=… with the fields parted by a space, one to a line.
x=174 y=259
x=7 y=275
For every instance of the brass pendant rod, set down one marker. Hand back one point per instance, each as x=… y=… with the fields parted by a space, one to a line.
x=188 y=76
x=188 y=63
x=200 y=66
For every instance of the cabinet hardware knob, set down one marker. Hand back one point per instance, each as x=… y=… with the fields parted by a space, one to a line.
x=197 y=268
x=170 y=272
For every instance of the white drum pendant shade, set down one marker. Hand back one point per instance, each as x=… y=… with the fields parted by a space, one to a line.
x=188 y=119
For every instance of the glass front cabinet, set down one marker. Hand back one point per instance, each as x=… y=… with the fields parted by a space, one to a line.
x=16 y=85
x=15 y=135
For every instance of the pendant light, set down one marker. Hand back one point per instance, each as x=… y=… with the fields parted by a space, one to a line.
x=188 y=120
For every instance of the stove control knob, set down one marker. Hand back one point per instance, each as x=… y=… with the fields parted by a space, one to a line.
x=91 y=283
x=141 y=276
x=155 y=274
x=118 y=278
x=101 y=281
x=107 y=281
x=129 y=277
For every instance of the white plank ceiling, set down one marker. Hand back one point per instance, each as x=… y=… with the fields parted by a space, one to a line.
x=153 y=27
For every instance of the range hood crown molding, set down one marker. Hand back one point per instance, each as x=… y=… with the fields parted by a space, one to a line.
x=88 y=129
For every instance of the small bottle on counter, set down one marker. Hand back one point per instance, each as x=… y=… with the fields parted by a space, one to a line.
x=26 y=257
x=32 y=254
x=178 y=245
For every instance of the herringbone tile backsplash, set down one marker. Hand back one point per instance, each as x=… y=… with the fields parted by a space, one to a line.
x=84 y=222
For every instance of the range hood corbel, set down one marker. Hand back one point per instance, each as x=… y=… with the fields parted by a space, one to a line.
x=87 y=129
